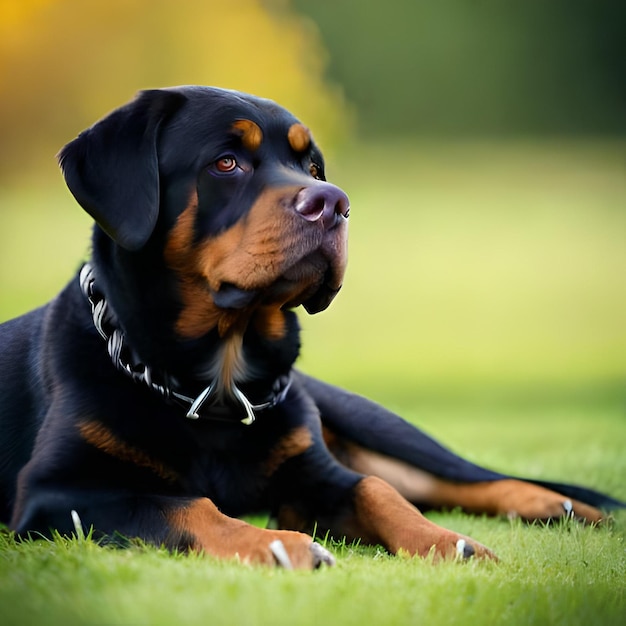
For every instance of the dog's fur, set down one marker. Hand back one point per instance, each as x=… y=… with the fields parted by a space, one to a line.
x=213 y=222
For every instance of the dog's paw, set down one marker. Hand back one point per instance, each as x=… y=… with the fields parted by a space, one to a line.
x=287 y=549
x=532 y=502
x=437 y=543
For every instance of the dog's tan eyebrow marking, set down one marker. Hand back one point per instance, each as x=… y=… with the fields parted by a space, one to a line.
x=299 y=137
x=250 y=133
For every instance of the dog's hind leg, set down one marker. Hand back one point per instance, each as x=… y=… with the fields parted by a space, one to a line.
x=372 y=440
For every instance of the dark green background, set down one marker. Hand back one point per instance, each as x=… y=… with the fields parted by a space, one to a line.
x=478 y=67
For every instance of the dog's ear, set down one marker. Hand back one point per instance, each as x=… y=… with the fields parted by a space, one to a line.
x=112 y=168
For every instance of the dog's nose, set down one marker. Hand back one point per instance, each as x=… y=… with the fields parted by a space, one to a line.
x=322 y=201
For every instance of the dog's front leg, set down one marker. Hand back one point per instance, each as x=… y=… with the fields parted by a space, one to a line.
x=204 y=528
x=178 y=523
x=381 y=515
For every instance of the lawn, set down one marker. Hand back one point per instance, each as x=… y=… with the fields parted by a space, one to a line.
x=566 y=574
x=485 y=300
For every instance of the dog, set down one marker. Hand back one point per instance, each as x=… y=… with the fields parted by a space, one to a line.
x=156 y=397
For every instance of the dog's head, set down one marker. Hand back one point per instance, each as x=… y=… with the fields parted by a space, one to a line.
x=232 y=187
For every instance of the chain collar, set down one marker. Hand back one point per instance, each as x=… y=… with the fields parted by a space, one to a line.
x=127 y=362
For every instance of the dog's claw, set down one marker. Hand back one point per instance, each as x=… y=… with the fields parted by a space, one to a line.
x=321 y=556
x=464 y=550
x=280 y=554
x=568 y=508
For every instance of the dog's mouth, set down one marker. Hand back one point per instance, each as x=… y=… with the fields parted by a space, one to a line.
x=330 y=263
x=311 y=281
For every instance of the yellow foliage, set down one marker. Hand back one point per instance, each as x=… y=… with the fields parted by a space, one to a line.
x=65 y=63
x=14 y=14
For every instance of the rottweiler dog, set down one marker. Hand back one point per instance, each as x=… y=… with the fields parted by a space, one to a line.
x=155 y=396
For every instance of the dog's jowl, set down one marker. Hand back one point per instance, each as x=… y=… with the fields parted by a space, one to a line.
x=155 y=396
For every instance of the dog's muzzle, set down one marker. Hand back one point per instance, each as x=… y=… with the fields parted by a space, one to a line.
x=329 y=206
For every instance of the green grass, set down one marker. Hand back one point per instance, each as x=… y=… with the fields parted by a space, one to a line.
x=485 y=300
x=565 y=574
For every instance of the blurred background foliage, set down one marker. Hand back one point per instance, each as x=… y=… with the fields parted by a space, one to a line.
x=479 y=67
x=482 y=143
x=65 y=63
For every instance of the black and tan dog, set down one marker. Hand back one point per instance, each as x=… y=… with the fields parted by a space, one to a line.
x=155 y=396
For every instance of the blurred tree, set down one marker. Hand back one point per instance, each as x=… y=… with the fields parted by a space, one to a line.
x=64 y=63
x=473 y=67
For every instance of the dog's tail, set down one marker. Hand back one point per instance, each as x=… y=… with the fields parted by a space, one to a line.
x=369 y=425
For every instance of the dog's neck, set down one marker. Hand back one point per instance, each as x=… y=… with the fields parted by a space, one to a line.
x=216 y=367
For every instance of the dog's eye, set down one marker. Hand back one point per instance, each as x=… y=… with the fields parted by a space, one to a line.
x=225 y=164
x=315 y=171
